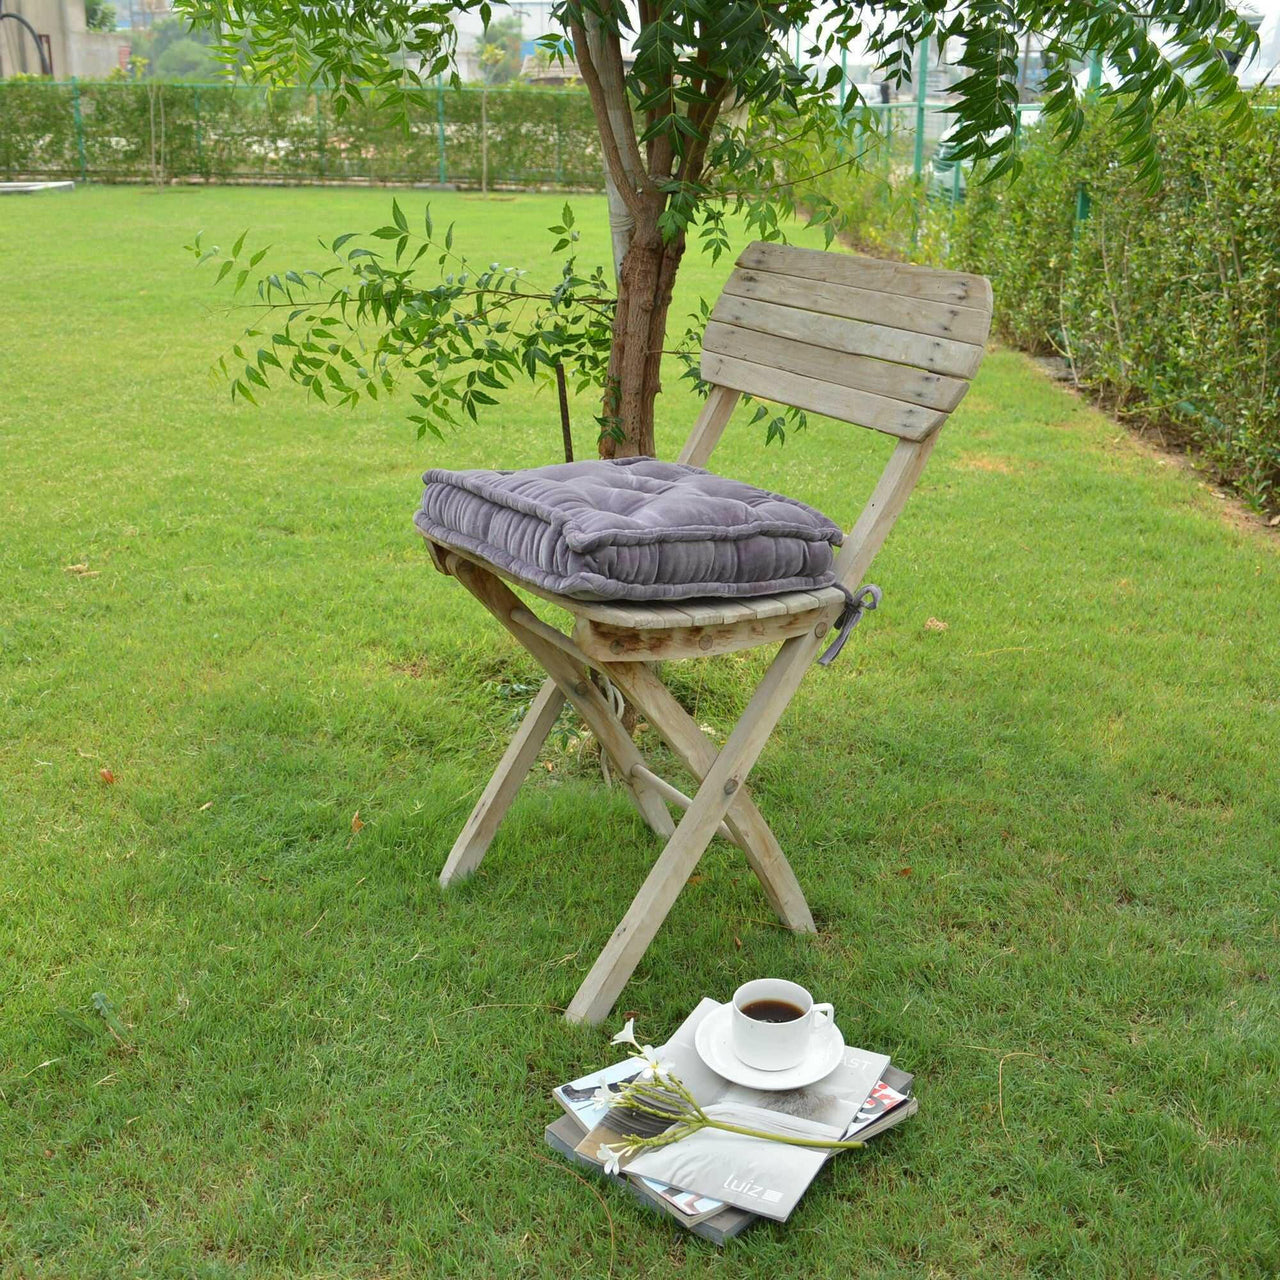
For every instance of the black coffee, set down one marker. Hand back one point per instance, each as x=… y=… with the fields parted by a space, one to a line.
x=772 y=1011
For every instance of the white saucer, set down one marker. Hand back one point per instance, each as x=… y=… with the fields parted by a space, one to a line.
x=714 y=1042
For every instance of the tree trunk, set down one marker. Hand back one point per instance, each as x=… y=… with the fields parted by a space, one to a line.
x=646 y=266
x=639 y=330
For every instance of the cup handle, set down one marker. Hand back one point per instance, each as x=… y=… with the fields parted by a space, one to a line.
x=827 y=1011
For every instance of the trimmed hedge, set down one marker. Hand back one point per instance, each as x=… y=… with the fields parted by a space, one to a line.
x=130 y=132
x=1167 y=302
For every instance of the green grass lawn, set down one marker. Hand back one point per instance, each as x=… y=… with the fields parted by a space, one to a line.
x=1041 y=843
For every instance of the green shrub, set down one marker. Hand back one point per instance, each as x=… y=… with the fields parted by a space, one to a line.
x=149 y=131
x=1167 y=302
x=186 y=59
x=878 y=201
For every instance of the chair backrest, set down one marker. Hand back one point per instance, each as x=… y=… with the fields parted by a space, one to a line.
x=885 y=345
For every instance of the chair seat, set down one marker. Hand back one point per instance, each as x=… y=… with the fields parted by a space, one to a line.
x=708 y=612
x=619 y=631
x=701 y=628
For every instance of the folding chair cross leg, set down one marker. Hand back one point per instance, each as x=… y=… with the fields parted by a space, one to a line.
x=883 y=345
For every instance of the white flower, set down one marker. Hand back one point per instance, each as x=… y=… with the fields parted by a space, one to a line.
x=627 y=1035
x=609 y=1157
x=602 y=1097
x=653 y=1068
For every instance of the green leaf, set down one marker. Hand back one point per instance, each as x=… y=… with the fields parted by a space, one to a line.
x=102 y=1005
x=80 y=1025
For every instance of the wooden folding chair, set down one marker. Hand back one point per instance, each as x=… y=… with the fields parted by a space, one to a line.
x=882 y=345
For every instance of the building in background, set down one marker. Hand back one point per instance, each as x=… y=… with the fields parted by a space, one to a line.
x=69 y=46
x=143 y=13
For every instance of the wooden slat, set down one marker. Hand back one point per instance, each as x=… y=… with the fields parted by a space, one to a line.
x=707 y=430
x=882 y=377
x=803 y=601
x=703 y=613
x=893 y=417
x=937 y=319
x=634 y=613
x=940 y=355
x=711 y=612
x=474 y=839
x=627 y=613
x=926 y=283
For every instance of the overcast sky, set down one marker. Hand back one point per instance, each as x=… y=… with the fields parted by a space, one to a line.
x=536 y=21
x=1270 y=31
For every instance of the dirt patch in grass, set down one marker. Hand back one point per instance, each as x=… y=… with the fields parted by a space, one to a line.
x=416 y=668
x=988 y=462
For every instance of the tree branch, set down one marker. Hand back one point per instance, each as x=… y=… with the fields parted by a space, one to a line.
x=613 y=79
x=691 y=165
x=605 y=113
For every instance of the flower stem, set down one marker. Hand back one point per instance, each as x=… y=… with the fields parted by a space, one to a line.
x=825 y=1143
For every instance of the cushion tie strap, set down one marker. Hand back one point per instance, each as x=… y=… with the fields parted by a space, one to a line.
x=866 y=597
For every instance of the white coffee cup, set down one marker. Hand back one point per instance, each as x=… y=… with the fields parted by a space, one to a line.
x=775 y=1045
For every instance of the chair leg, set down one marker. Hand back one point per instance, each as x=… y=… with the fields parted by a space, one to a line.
x=615 y=964
x=575 y=684
x=697 y=752
x=474 y=839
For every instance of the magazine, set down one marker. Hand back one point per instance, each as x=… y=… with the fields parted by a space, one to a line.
x=689 y=1206
x=564 y=1134
x=758 y=1175
x=578 y=1096
x=578 y=1099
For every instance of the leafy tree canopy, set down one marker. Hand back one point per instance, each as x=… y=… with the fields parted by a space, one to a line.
x=186 y=59
x=703 y=108
x=152 y=45
x=99 y=16
x=688 y=53
x=499 y=50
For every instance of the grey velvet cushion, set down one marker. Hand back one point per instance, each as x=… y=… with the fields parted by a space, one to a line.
x=631 y=529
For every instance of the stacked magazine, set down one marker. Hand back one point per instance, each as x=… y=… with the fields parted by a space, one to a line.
x=717 y=1183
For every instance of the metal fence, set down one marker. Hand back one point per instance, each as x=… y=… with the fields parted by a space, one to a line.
x=519 y=137
x=155 y=132
x=149 y=131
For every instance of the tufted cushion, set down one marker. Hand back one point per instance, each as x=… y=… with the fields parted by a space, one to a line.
x=630 y=529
